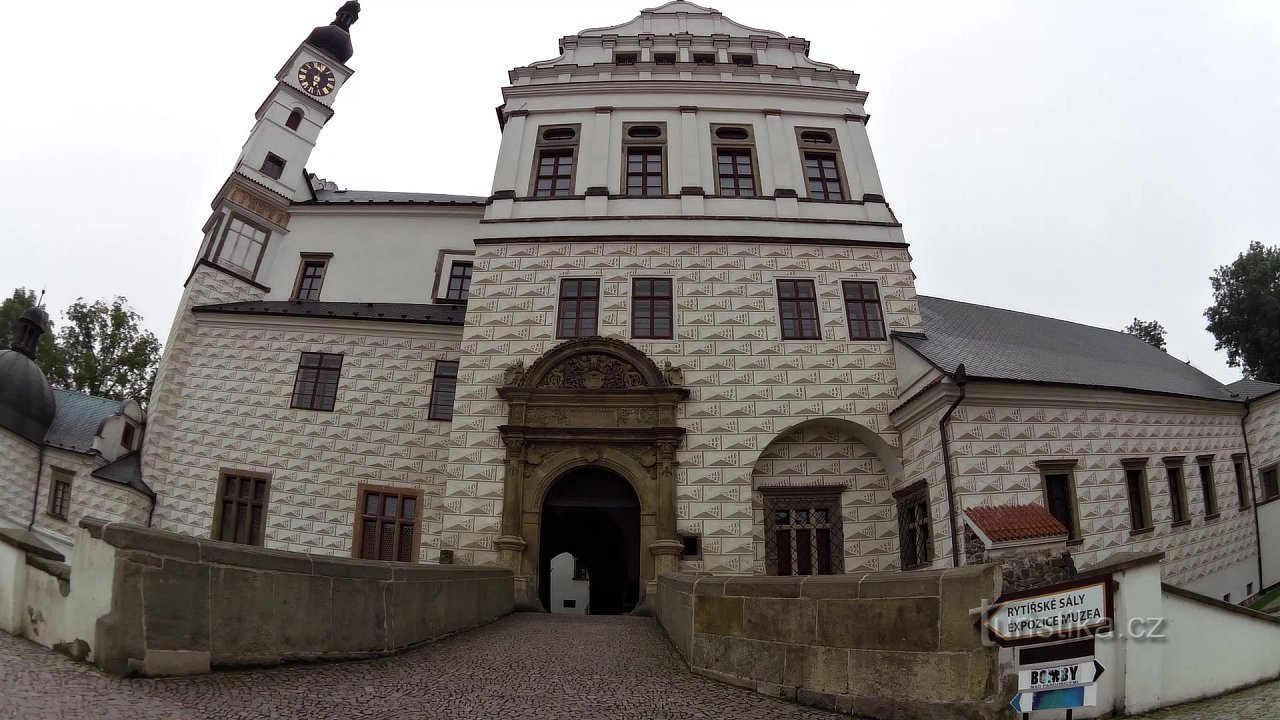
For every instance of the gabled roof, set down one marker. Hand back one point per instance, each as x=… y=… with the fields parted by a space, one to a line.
x=125 y=470
x=997 y=344
x=78 y=419
x=424 y=313
x=1252 y=389
x=336 y=197
x=1011 y=523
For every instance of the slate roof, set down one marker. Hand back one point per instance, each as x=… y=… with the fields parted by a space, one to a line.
x=426 y=313
x=126 y=470
x=78 y=419
x=1250 y=389
x=1009 y=523
x=378 y=196
x=997 y=344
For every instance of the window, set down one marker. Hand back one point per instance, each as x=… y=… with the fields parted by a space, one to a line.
x=737 y=175
x=803 y=531
x=1242 y=484
x=1207 y=490
x=310 y=277
x=798 y=308
x=241 y=515
x=127 y=436
x=241 y=247
x=1177 y=491
x=273 y=166
x=862 y=307
x=459 y=281
x=651 y=308
x=60 y=494
x=692 y=547
x=664 y=58
x=744 y=60
x=1060 y=496
x=579 y=306
x=1135 y=476
x=915 y=540
x=624 y=58
x=645 y=146
x=557 y=150
x=704 y=58
x=316 y=386
x=295 y=119
x=444 y=388
x=387 y=524
x=821 y=156
x=1270 y=483
x=580 y=570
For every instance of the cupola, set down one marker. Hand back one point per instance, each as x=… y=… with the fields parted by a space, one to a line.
x=27 y=405
x=335 y=38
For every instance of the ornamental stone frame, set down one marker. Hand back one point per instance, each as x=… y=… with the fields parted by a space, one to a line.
x=590 y=402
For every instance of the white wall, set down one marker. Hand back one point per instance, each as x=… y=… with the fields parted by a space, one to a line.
x=564 y=587
x=1269 y=526
x=1210 y=650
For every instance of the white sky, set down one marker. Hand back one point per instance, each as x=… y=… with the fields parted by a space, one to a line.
x=1091 y=161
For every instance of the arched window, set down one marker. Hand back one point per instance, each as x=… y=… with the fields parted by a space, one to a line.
x=295 y=119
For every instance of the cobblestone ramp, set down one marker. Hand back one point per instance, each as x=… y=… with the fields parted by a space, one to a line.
x=522 y=667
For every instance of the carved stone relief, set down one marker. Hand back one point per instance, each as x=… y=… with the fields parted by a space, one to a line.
x=594 y=372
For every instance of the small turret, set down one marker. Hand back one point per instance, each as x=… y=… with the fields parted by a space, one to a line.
x=30 y=326
x=335 y=38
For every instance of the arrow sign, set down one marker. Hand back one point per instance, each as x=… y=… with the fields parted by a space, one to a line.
x=1061 y=676
x=1064 y=699
x=1070 y=609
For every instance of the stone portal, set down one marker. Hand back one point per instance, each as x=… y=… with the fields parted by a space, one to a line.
x=595 y=515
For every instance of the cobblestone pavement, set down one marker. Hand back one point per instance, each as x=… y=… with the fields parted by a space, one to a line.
x=523 y=667
x=1257 y=703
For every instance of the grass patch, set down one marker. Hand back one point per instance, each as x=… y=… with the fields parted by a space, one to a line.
x=1270 y=598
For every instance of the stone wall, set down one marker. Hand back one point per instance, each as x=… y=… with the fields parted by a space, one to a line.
x=148 y=602
x=881 y=645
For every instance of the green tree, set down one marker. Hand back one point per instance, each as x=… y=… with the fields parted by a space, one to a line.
x=1151 y=333
x=48 y=359
x=105 y=352
x=1245 y=315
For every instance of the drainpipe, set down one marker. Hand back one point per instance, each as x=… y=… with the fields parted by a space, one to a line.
x=1253 y=494
x=960 y=378
x=35 y=499
x=151 y=513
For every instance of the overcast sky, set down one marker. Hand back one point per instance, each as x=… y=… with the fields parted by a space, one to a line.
x=1092 y=161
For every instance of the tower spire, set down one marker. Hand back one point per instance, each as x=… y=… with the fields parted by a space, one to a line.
x=335 y=38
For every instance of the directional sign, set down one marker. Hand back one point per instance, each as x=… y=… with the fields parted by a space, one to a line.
x=1066 y=610
x=1064 y=699
x=1060 y=676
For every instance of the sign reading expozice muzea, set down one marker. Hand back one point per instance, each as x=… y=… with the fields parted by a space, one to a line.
x=1073 y=609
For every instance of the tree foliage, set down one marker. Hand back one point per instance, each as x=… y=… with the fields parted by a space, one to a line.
x=1245 y=315
x=1151 y=333
x=105 y=351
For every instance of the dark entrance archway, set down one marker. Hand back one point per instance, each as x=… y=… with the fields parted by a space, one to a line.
x=595 y=515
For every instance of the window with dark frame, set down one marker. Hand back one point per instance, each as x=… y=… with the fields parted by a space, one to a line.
x=1177 y=492
x=1242 y=484
x=625 y=58
x=798 y=310
x=310 y=278
x=295 y=119
x=803 y=531
x=1207 y=489
x=316 y=386
x=736 y=171
x=863 y=309
x=651 y=308
x=664 y=58
x=704 y=58
x=1060 y=500
x=1271 y=483
x=692 y=547
x=387 y=524
x=241 y=509
x=644 y=171
x=459 y=287
x=273 y=166
x=444 y=389
x=555 y=173
x=915 y=538
x=241 y=247
x=60 y=494
x=579 y=308
x=744 y=60
x=822 y=173
x=1135 y=476
x=127 y=436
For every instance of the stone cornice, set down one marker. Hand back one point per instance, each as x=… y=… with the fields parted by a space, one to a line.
x=382 y=327
x=1016 y=394
x=363 y=209
x=699 y=87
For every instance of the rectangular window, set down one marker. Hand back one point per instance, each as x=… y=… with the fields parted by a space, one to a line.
x=387 y=524
x=1177 y=493
x=822 y=174
x=241 y=247
x=273 y=166
x=241 y=512
x=1242 y=484
x=444 y=388
x=310 y=278
x=915 y=540
x=644 y=171
x=798 y=308
x=316 y=386
x=624 y=58
x=862 y=307
x=127 y=436
x=1060 y=497
x=555 y=173
x=704 y=58
x=1139 y=500
x=744 y=60
x=651 y=302
x=60 y=494
x=803 y=531
x=737 y=172
x=664 y=58
x=459 y=281
x=579 y=308
x=1207 y=490
x=1270 y=484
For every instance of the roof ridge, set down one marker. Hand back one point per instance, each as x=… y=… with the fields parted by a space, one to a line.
x=1024 y=312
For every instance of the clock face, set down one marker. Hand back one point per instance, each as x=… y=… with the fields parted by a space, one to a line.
x=316 y=78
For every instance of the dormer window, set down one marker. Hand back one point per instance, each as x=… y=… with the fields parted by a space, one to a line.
x=704 y=58
x=664 y=58
x=624 y=58
x=744 y=60
x=127 y=436
x=295 y=119
x=273 y=166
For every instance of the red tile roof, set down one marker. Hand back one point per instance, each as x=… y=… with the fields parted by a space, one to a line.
x=1009 y=523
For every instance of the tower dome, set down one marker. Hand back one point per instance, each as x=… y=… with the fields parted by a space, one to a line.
x=27 y=405
x=335 y=38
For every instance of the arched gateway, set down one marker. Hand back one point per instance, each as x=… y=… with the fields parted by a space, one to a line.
x=590 y=413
